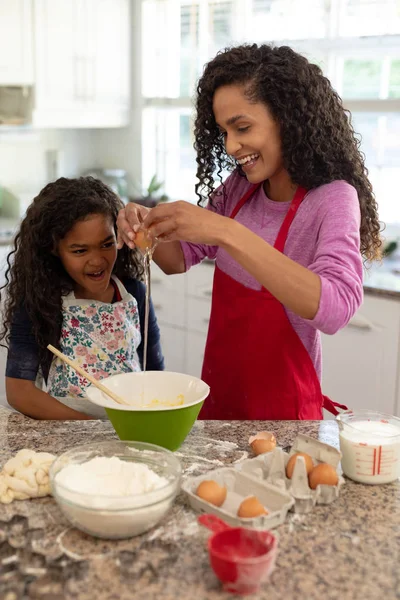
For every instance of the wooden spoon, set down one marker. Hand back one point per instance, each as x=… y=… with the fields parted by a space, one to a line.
x=86 y=375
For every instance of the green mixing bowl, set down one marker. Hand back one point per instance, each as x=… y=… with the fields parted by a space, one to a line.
x=163 y=406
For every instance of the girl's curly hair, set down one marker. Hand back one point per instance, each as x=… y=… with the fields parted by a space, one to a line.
x=35 y=277
x=319 y=144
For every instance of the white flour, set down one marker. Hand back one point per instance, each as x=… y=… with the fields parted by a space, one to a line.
x=113 y=498
x=103 y=476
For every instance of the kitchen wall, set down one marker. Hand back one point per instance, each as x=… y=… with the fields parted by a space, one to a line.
x=23 y=157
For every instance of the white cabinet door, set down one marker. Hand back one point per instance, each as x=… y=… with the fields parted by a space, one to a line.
x=72 y=40
x=173 y=344
x=168 y=295
x=360 y=363
x=59 y=75
x=16 y=66
x=200 y=281
x=196 y=343
x=111 y=52
x=198 y=318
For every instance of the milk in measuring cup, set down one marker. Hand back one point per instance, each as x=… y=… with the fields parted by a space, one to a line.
x=371 y=451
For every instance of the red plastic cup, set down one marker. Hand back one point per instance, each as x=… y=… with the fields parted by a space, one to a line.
x=241 y=558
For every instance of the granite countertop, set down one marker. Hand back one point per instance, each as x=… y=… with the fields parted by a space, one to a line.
x=348 y=550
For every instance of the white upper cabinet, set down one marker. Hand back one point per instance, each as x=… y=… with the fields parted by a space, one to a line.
x=111 y=50
x=16 y=64
x=82 y=63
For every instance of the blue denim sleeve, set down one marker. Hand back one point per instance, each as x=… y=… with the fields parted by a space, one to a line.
x=23 y=351
x=155 y=358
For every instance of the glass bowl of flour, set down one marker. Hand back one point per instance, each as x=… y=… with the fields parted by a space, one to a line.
x=116 y=489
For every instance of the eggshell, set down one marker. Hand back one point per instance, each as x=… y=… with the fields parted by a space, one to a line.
x=322 y=474
x=143 y=239
x=292 y=461
x=261 y=446
x=212 y=492
x=251 y=507
x=263 y=441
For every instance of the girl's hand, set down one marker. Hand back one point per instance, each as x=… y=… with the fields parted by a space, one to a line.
x=183 y=221
x=128 y=222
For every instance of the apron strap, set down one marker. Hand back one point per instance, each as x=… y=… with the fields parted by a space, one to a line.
x=244 y=199
x=330 y=406
x=283 y=232
x=117 y=294
x=290 y=215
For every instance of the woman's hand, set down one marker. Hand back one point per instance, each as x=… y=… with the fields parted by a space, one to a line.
x=128 y=222
x=186 y=222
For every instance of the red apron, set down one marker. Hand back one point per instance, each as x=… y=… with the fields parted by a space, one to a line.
x=255 y=363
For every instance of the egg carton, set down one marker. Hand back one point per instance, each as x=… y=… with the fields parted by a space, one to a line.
x=239 y=486
x=271 y=468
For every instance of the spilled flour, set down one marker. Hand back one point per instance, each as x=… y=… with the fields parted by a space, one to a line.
x=184 y=525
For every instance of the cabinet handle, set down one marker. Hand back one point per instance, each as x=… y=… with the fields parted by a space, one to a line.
x=157 y=306
x=206 y=320
x=156 y=280
x=79 y=78
x=75 y=76
x=207 y=293
x=360 y=322
x=92 y=66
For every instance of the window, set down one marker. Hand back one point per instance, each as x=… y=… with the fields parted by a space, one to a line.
x=355 y=42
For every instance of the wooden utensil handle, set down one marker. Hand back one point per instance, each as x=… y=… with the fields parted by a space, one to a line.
x=86 y=375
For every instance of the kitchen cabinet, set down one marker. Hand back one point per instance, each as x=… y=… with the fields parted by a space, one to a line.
x=16 y=65
x=361 y=363
x=82 y=63
x=173 y=343
x=195 y=353
x=182 y=304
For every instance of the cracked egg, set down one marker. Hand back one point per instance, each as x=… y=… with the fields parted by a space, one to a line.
x=262 y=442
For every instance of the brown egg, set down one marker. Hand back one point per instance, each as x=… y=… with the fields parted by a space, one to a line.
x=323 y=474
x=251 y=507
x=292 y=462
x=143 y=239
x=212 y=492
x=261 y=446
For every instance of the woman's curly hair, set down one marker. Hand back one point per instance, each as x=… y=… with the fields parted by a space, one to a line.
x=35 y=277
x=319 y=144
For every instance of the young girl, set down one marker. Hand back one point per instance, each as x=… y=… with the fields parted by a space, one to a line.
x=70 y=287
x=288 y=229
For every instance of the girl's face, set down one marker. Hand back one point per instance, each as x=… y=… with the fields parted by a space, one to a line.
x=251 y=134
x=88 y=253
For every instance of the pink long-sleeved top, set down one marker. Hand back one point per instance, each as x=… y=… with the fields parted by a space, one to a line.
x=324 y=237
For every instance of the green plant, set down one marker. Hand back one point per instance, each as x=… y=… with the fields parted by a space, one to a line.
x=154 y=187
x=148 y=196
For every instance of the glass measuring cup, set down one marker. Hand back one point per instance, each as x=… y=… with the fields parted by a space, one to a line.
x=370 y=446
x=241 y=558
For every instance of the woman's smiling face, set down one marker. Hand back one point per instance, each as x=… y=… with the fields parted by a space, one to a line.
x=250 y=132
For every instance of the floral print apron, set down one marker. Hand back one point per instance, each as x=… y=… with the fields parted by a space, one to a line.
x=102 y=338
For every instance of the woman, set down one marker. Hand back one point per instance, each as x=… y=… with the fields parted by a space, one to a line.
x=288 y=229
